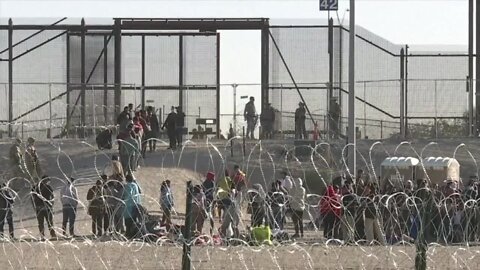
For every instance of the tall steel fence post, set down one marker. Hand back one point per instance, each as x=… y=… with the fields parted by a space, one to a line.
x=352 y=161
x=186 y=258
x=10 y=77
x=50 y=111
x=94 y=113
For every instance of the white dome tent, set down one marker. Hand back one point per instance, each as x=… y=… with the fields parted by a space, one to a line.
x=397 y=170
x=440 y=169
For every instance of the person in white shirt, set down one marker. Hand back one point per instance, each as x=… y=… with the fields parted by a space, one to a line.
x=69 y=198
x=286 y=181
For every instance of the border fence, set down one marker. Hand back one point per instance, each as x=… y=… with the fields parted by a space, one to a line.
x=62 y=77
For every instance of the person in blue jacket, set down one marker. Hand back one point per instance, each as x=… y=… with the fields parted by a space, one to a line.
x=131 y=197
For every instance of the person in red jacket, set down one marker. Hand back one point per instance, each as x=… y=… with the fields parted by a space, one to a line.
x=330 y=208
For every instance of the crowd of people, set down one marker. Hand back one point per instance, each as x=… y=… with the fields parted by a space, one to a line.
x=138 y=130
x=350 y=210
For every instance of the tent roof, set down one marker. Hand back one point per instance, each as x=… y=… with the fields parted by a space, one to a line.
x=400 y=162
x=440 y=162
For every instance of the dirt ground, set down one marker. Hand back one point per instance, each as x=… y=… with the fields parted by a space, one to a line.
x=117 y=255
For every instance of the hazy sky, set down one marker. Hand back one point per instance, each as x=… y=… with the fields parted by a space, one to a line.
x=405 y=21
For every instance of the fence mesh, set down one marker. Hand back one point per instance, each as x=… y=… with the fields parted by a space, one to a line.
x=432 y=79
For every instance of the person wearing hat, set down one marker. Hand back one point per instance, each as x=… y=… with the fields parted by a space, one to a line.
x=250 y=115
x=16 y=158
x=300 y=117
x=31 y=159
x=171 y=125
x=267 y=118
x=180 y=124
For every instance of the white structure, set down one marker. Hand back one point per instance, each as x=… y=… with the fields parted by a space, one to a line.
x=397 y=170
x=439 y=169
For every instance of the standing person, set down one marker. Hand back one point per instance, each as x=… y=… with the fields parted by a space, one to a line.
x=129 y=153
x=225 y=186
x=116 y=205
x=69 y=198
x=96 y=208
x=131 y=196
x=208 y=187
x=104 y=139
x=334 y=119
x=166 y=203
x=117 y=169
x=277 y=201
x=350 y=205
x=259 y=203
x=170 y=123
x=124 y=116
x=250 y=115
x=123 y=135
x=199 y=211
x=131 y=111
x=42 y=199
x=297 y=204
x=146 y=126
x=231 y=218
x=300 y=117
x=267 y=119
x=6 y=212
x=180 y=124
x=155 y=129
x=31 y=160
x=16 y=159
x=286 y=181
x=330 y=208
x=373 y=229
x=239 y=183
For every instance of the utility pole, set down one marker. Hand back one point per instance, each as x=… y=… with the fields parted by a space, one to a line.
x=351 y=136
x=472 y=123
